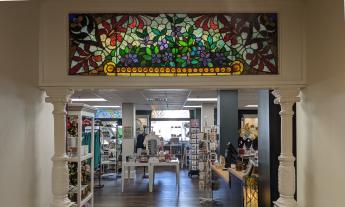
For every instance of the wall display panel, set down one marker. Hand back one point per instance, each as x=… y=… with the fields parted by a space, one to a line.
x=173 y=44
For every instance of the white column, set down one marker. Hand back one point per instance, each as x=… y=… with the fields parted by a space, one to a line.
x=128 y=120
x=60 y=181
x=207 y=115
x=286 y=97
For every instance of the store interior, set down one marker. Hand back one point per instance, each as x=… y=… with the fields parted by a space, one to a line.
x=161 y=145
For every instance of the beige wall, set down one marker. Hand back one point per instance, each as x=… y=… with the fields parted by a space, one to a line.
x=321 y=124
x=26 y=125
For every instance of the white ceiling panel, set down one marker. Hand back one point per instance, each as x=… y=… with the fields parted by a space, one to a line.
x=161 y=99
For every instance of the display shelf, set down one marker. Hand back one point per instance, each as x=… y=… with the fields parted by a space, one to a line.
x=111 y=147
x=77 y=189
x=82 y=158
x=86 y=199
x=80 y=148
x=193 y=151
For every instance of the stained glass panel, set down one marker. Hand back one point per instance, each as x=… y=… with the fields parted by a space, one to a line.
x=173 y=44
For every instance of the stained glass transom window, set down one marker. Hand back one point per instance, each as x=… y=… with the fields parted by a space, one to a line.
x=173 y=44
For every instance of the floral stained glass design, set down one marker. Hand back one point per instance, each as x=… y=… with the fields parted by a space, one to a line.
x=173 y=44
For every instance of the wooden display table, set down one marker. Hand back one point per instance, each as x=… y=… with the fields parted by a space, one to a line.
x=151 y=166
x=238 y=174
x=224 y=174
x=172 y=163
x=234 y=180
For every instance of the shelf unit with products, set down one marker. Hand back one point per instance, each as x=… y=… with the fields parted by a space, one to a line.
x=207 y=156
x=80 y=151
x=193 y=151
x=111 y=147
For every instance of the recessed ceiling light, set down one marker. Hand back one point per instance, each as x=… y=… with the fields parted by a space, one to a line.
x=166 y=90
x=107 y=106
x=202 y=99
x=157 y=99
x=192 y=106
x=251 y=106
x=87 y=99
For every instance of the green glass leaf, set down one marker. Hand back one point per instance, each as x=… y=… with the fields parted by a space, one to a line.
x=172 y=64
x=190 y=30
x=148 y=51
x=137 y=50
x=155 y=39
x=108 y=57
x=147 y=57
x=174 y=50
x=194 y=62
x=156 y=49
x=179 y=20
x=182 y=43
x=139 y=34
x=156 y=31
x=126 y=50
x=190 y=41
x=213 y=46
x=184 y=50
x=145 y=32
x=209 y=40
x=169 y=38
x=210 y=65
x=122 y=53
x=180 y=60
x=113 y=53
x=184 y=64
x=164 y=31
x=170 y=19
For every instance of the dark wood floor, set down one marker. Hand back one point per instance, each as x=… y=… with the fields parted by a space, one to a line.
x=165 y=192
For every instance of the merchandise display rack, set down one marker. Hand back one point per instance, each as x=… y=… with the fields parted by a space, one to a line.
x=194 y=145
x=207 y=156
x=109 y=146
x=80 y=121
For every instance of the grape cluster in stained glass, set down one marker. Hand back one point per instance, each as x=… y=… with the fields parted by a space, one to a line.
x=173 y=44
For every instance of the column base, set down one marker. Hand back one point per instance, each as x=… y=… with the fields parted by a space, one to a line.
x=285 y=202
x=61 y=203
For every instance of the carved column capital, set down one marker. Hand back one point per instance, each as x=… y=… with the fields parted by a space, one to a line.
x=58 y=94
x=288 y=95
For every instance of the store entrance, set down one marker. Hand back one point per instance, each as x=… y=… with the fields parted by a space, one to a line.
x=154 y=144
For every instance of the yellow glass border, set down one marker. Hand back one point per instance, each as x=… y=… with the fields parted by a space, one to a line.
x=171 y=71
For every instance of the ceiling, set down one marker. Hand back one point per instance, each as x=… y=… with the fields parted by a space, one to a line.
x=161 y=99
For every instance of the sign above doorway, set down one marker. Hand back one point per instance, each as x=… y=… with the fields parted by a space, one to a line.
x=151 y=44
